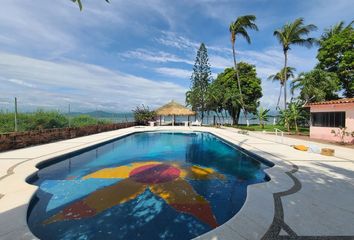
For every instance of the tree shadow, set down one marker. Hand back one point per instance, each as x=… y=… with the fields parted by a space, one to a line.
x=13 y=224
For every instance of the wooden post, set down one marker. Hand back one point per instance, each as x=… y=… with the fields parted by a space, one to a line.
x=160 y=120
x=69 y=116
x=214 y=120
x=16 y=128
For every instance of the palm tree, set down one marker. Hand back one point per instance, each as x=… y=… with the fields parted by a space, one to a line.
x=80 y=4
x=284 y=118
x=239 y=27
x=262 y=116
x=293 y=34
x=296 y=113
x=279 y=76
x=316 y=85
x=337 y=28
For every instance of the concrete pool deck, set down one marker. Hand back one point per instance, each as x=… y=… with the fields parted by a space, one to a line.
x=310 y=196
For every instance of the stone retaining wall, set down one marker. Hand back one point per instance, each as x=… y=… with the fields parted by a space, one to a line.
x=17 y=140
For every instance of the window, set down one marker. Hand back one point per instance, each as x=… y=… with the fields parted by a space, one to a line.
x=328 y=119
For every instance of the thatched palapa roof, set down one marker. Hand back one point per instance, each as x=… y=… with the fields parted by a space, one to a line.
x=173 y=108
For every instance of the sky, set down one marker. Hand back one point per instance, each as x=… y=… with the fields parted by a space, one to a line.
x=116 y=56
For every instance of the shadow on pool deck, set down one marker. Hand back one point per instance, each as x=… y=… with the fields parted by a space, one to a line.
x=13 y=226
x=319 y=204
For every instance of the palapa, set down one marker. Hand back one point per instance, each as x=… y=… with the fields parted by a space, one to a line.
x=174 y=109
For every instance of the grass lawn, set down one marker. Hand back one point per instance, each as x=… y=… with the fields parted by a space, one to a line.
x=271 y=128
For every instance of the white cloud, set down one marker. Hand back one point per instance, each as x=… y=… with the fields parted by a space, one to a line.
x=22 y=26
x=267 y=62
x=326 y=13
x=174 y=72
x=175 y=40
x=4 y=102
x=220 y=62
x=172 y=39
x=51 y=29
x=58 y=30
x=158 y=56
x=21 y=82
x=85 y=86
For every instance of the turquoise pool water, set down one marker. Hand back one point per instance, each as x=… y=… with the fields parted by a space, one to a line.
x=153 y=185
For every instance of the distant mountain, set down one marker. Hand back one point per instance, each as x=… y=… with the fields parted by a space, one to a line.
x=100 y=114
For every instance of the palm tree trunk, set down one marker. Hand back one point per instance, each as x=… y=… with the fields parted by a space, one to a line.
x=233 y=116
x=285 y=75
x=235 y=63
x=238 y=78
x=296 y=127
x=238 y=115
x=281 y=86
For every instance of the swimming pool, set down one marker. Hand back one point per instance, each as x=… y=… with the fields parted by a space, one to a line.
x=150 y=185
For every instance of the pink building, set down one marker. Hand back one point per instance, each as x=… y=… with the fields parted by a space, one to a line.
x=331 y=115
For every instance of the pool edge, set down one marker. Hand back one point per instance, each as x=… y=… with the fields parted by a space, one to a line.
x=251 y=190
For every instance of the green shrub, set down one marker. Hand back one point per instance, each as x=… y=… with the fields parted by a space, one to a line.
x=44 y=120
x=143 y=115
x=85 y=120
x=7 y=123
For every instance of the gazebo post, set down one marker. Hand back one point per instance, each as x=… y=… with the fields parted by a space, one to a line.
x=173 y=120
x=160 y=120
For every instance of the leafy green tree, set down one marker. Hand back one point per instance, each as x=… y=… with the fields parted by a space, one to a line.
x=336 y=54
x=143 y=115
x=226 y=90
x=294 y=33
x=252 y=89
x=239 y=28
x=80 y=3
x=316 y=85
x=279 y=76
x=215 y=100
x=196 y=97
x=262 y=115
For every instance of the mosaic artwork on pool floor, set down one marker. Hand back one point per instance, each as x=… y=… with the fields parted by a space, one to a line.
x=167 y=181
x=161 y=185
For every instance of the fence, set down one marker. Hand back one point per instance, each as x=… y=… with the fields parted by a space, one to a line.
x=17 y=140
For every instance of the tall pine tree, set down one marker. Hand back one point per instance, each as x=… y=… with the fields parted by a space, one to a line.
x=196 y=97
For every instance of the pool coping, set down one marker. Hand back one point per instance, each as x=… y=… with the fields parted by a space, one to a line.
x=258 y=209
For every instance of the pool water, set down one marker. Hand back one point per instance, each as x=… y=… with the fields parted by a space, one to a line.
x=152 y=185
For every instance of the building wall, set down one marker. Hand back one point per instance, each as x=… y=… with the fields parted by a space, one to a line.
x=325 y=132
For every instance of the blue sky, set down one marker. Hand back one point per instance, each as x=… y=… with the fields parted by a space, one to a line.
x=115 y=56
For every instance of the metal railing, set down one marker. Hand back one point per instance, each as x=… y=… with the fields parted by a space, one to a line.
x=281 y=134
